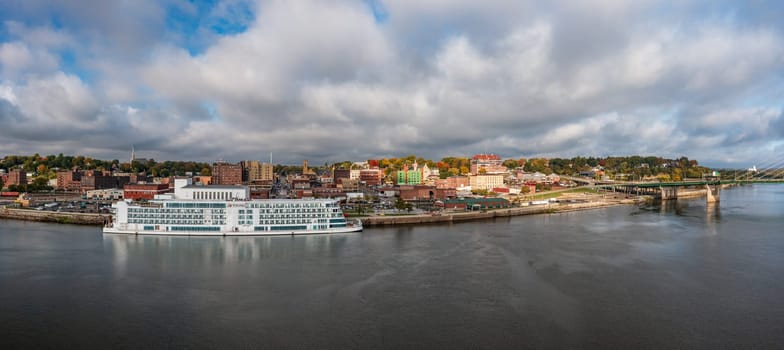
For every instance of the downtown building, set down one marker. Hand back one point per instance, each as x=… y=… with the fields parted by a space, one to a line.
x=487 y=164
x=224 y=173
x=255 y=171
x=146 y=191
x=16 y=177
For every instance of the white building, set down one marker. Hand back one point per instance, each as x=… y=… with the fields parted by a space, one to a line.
x=113 y=194
x=486 y=182
x=184 y=189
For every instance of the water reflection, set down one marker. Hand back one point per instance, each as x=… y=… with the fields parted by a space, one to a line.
x=712 y=217
x=218 y=250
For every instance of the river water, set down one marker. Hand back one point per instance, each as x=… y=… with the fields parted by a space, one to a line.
x=679 y=275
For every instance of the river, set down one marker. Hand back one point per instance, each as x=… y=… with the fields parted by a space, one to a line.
x=678 y=275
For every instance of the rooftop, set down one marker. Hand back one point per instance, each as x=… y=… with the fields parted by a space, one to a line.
x=216 y=187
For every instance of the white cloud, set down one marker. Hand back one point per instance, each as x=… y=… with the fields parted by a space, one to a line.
x=326 y=80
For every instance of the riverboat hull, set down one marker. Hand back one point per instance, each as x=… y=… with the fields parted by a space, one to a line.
x=349 y=229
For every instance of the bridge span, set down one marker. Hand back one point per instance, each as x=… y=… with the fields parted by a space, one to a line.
x=669 y=190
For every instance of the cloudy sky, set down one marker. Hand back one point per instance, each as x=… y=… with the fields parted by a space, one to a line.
x=334 y=80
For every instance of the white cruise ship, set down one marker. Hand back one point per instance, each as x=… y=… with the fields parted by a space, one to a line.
x=227 y=210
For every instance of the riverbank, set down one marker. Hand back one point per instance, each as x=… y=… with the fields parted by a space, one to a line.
x=448 y=217
x=51 y=216
x=550 y=208
x=378 y=220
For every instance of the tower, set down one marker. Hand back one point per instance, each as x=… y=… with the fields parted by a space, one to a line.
x=133 y=154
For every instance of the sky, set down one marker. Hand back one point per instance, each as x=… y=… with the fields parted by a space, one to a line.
x=333 y=80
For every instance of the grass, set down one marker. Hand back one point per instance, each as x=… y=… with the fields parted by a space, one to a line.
x=544 y=196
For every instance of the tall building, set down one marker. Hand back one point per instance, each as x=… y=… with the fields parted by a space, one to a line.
x=267 y=173
x=226 y=174
x=69 y=180
x=17 y=177
x=371 y=177
x=255 y=171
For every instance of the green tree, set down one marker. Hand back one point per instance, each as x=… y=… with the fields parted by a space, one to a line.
x=400 y=204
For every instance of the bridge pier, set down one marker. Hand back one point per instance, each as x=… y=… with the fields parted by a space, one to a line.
x=668 y=193
x=713 y=193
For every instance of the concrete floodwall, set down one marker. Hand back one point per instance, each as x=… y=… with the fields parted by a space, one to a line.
x=50 y=216
x=477 y=215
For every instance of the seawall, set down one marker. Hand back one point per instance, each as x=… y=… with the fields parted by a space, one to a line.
x=59 y=217
x=465 y=216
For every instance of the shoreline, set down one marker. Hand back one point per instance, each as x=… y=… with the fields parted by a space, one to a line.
x=369 y=221
x=54 y=217
x=451 y=217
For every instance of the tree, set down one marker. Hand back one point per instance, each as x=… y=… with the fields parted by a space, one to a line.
x=510 y=164
x=40 y=183
x=400 y=204
x=205 y=171
x=1 y=183
x=360 y=209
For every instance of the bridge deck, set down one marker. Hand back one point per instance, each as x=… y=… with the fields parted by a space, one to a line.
x=687 y=183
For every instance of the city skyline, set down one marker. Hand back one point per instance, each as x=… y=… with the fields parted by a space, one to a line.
x=349 y=80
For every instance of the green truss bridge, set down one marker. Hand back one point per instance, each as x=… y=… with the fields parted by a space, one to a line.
x=669 y=190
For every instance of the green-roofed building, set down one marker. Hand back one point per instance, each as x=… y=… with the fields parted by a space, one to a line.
x=476 y=203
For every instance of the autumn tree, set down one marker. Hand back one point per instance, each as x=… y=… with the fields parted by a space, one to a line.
x=510 y=164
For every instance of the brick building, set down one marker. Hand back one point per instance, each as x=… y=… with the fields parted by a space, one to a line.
x=371 y=177
x=226 y=174
x=410 y=193
x=137 y=191
x=423 y=192
x=456 y=181
x=338 y=174
x=97 y=181
x=16 y=177
x=69 y=180
x=328 y=192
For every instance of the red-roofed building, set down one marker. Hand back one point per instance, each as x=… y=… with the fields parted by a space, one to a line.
x=144 y=191
x=487 y=164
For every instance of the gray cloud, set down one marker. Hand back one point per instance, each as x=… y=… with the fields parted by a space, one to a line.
x=327 y=82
